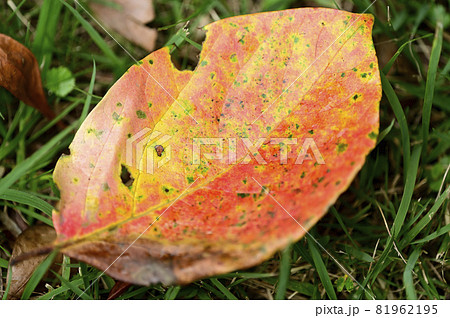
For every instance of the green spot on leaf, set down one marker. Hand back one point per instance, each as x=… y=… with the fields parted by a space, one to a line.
x=116 y=117
x=341 y=147
x=141 y=114
x=373 y=135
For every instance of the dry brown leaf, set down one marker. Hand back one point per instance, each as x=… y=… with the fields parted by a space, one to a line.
x=139 y=10
x=129 y=21
x=19 y=74
x=31 y=239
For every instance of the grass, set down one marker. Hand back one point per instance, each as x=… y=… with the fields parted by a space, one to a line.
x=389 y=230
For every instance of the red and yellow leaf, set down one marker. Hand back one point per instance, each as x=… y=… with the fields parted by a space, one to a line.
x=308 y=75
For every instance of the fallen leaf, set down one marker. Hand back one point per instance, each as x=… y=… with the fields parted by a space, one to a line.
x=33 y=238
x=263 y=81
x=128 y=18
x=19 y=74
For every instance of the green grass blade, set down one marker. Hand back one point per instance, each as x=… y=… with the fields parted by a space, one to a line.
x=411 y=234
x=341 y=223
x=443 y=230
x=205 y=7
x=392 y=60
x=28 y=199
x=84 y=275
x=13 y=145
x=407 y=193
x=430 y=83
x=285 y=273
x=38 y=274
x=211 y=289
x=358 y=254
x=382 y=262
x=191 y=42
x=87 y=102
x=15 y=122
x=73 y=287
x=14 y=13
x=407 y=275
x=60 y=290
x=223 y=289
x=47 y=28
x=94 y=35
x=385 y=132
x=321 y=270
x=400 y=115
x=22 y=168
x=427 y=283
x=300 y=287
x=8 y=287
x=32 y=214
x=246 y=275
x=52 y=123
x=138 y=292
x=3 y=263
x=172 y=292
x=301 y=249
